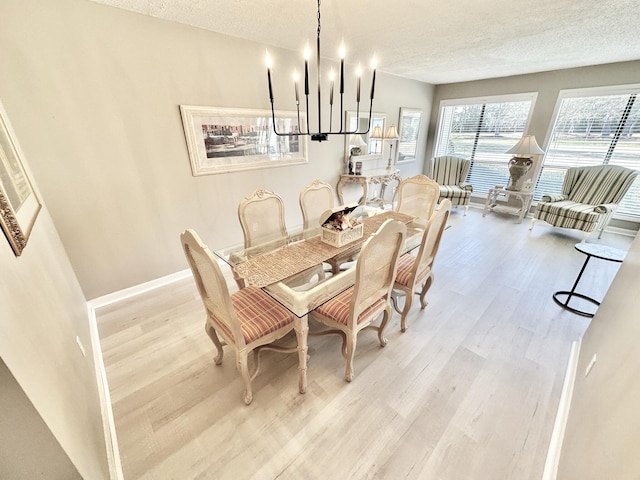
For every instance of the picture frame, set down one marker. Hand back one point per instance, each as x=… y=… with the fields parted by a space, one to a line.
x=409 y=134
x=19 y=203
x=223 y=140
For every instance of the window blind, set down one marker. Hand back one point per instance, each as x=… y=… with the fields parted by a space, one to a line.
x=597 y=127
x=482 y=131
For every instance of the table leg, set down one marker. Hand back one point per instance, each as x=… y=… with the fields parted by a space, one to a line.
x=365 y=191
x=572 y=293
x=383 y=187
x=302 y=332
x=521 y=213
x=491 y=199
x=339 y=190
x=573 y=289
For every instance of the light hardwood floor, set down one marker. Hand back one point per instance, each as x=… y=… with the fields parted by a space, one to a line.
x=470 y=391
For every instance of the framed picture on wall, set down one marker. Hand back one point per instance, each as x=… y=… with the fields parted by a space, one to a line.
x=19 y=205
x=222 y=140
x=409 y=134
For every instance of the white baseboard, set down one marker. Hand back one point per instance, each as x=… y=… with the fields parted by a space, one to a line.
x=557 y=436
x=108 y=423
x=120 y=295
x=620 y=231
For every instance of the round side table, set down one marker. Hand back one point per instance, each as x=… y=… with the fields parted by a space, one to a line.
x=603 y=252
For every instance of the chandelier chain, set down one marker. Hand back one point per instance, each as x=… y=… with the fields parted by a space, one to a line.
x=318 y=18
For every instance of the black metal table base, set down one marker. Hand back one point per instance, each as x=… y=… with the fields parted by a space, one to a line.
x=570 y=295
x=602 y=252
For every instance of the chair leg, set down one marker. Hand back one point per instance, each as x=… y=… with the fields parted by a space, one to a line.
x=408 y=300
x=425 y=289
x=395 y=294
x=350 y=351
x=466 y=209
x=383 y=324
x=243 y=367
x=585 y=235
x=533 y=221
x=216 y=341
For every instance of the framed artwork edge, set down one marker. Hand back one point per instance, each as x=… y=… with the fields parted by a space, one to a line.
x=401 y=124
x=201 y=164
x=16 y=220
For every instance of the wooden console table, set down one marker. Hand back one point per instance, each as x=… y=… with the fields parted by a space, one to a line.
x=380 y=176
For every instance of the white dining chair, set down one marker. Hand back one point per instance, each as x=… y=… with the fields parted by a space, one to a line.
x=358 y=307
x=248 y=320
x=418 y=269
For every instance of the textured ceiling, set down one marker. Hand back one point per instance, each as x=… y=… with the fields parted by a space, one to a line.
x=434 y=41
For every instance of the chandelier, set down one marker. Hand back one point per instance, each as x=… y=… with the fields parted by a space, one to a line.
x=304 y=130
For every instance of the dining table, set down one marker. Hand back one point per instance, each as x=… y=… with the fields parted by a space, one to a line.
x=276 y=266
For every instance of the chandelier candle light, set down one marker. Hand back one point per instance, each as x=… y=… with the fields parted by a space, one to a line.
x=521 y=162
x=319 y=136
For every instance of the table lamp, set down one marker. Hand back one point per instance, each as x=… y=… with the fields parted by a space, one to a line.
x=521 y=162
x=356 y=143
x=377 y=135
x=392 y=134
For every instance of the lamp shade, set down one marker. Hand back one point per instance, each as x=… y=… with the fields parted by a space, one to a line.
x=392 y=133
x=527 y=145
x=377 y=132
x=356 y=140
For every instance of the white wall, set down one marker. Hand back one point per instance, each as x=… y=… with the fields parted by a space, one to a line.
x=94 y=93
x=42 y=310
x=23 y=432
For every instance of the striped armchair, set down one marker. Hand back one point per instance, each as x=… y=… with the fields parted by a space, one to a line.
x=450 y=173
x=590 y=196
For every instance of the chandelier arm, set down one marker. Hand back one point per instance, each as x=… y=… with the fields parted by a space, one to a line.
x=307 y=101
x=318 y=70
x=341 y=114
x=273 y=120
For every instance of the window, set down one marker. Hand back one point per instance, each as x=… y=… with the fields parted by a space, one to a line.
x=482 y=130
x=595 y=127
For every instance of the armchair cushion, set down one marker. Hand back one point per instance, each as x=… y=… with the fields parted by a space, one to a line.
x=454 y=192
x=566 y=213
